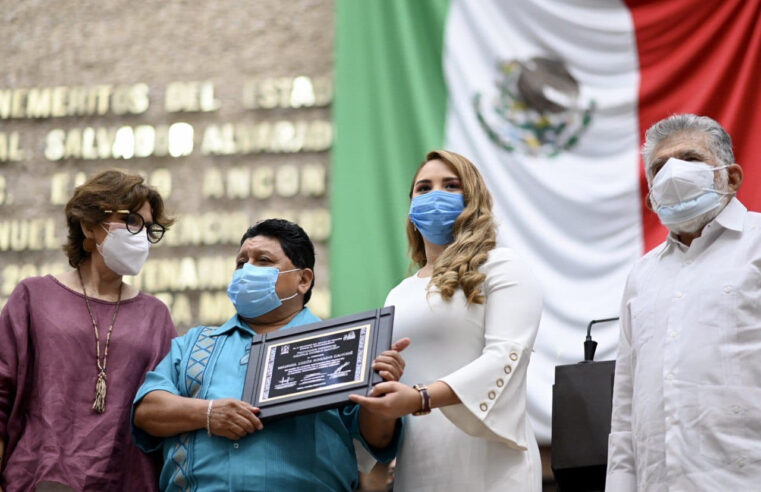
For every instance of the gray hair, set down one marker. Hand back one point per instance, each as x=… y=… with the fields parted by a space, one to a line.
x=719 y=140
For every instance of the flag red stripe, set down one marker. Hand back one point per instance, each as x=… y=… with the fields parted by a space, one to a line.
x=702 y=57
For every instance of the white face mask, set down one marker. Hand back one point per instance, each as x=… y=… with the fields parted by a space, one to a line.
x=683 y=191
x=123 y=252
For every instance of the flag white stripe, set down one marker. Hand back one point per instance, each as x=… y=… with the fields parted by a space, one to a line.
x=575 y=217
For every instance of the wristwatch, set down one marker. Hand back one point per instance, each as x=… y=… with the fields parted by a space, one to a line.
x=425 y=400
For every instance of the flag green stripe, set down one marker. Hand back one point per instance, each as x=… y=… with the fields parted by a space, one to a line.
x=389 y=110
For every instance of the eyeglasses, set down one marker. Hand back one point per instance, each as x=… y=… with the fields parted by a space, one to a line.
x=135 y=223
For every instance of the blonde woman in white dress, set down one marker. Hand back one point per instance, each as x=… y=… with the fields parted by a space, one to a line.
x=472 y=312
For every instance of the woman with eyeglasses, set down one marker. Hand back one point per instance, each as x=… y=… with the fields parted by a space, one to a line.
x=75 y=347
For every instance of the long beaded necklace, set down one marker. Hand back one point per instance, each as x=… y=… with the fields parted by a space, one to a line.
x=99 y=405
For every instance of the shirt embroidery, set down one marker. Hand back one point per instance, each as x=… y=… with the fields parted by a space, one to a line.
x=198 y=362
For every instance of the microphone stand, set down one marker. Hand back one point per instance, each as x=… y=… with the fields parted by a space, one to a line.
x=590 y=345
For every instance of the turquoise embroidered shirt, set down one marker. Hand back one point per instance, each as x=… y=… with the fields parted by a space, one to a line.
x=311 y=453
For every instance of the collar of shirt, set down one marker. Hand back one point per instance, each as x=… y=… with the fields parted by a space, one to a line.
x=731 y=217
x=303 y=317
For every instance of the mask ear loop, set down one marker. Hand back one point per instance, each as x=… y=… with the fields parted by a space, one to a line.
x=649 y=198
x=297 y=292
x=108 y=230
x=289 y=297
x=725 y=193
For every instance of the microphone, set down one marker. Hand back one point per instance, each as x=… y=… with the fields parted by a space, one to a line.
x=590 y=345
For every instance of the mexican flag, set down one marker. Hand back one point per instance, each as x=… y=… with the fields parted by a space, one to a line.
x=550 y=99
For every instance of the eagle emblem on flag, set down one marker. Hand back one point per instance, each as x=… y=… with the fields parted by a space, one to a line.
x=536 y=109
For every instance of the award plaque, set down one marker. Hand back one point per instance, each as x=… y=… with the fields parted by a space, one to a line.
x=317 y=366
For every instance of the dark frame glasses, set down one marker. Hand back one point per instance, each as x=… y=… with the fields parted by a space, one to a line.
x=135 y=223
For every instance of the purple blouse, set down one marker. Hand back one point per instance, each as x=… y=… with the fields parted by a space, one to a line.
x=47 y=388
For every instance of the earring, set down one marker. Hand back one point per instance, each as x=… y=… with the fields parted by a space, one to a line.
x=88 y=244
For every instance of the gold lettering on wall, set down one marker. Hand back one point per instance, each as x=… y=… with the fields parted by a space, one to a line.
x=315 y=221
x=179 y=139
x=9 y=147
x=62 y=184
x=28 y=234
x=190 y=97
x=287 y=92
x=17 y=103
x=314 y=180
x=125 y=142
x=188 y=273
x=234 y=192
x=207 y=229
x=61 y=101
x=38 y=103
x=276 y=137
x=263 y=182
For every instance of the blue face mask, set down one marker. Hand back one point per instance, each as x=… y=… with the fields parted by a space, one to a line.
x=252 y=290
x=434 y=214
x=682 y=212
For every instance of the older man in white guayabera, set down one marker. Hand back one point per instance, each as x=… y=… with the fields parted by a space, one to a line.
x=687 y=396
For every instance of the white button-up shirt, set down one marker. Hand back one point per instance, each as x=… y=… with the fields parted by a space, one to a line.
x=687 y=396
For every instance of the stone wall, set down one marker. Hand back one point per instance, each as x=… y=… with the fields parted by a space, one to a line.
x=224 y=106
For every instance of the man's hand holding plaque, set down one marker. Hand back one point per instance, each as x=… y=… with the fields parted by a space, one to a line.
x=317 y=366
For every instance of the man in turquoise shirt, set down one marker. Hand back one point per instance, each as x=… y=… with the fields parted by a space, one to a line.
x=190 y=404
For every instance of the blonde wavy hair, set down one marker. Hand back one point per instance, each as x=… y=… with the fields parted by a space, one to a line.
x=474 y=234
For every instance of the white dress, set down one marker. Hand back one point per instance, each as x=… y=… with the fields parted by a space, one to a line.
x=485 y=443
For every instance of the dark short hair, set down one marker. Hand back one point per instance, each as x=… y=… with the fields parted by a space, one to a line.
x=295 y=243
x=107 y=190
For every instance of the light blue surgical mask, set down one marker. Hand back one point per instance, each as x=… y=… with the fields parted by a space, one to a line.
x=434 y=214
x=684 y=190
x=252 y=290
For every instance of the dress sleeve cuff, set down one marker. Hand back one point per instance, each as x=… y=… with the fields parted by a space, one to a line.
x=492 y=396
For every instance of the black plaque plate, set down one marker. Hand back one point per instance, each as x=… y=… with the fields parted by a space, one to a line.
x=317 y=366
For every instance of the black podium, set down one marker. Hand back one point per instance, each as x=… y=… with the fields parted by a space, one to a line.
x=581 y=407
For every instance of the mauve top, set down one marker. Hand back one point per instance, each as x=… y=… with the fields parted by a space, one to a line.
x=47 y=388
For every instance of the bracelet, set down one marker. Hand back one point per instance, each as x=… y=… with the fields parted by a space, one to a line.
x=208 y=417
x=425 y=400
